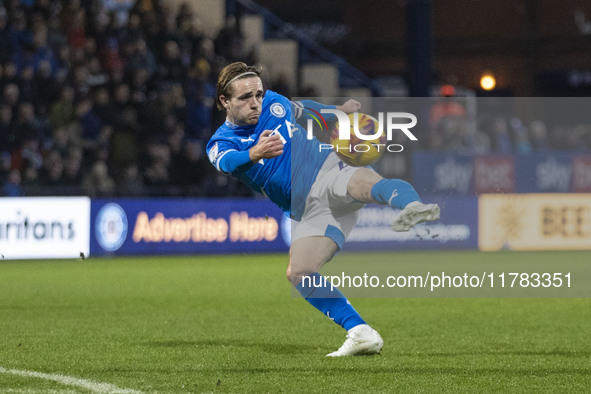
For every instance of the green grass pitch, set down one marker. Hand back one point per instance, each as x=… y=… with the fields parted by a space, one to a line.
x=230 y=324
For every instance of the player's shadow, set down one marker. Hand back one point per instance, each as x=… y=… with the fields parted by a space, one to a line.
x=278 y=348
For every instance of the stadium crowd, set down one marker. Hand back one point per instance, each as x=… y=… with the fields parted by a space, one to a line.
x=104 y=102
x=119 y=102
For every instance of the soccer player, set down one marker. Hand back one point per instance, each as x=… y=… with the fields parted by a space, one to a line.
x=262 y=145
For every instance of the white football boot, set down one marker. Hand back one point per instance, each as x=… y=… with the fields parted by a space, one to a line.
x=416 y=212
x=361 y=340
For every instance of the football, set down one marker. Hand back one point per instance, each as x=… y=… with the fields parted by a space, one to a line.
x=355 y=151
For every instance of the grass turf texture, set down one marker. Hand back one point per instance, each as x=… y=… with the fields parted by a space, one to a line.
x=229 y=324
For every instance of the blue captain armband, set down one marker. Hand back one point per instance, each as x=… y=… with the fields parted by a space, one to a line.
x=231 y=160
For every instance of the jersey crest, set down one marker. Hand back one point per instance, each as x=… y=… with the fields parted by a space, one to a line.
x=277 y=110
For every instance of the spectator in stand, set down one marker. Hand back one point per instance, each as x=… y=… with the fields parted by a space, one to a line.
x=52 y=171
x=11 y=95
x=47 y=87
x=185 y=17
x=576 y=138
x=56 y=39
x=10 y=74
x=65 y=86
x=142 y=58
x=74 y=24
x=176 y=142
x=521 y=138
x=194 y=36
x=111 y=60
x=27 y=86
x=171 y=68
x=121 y=100
x=28 y=125
x=59 y=141
x=499 y=136
x=63 y=111
x=7 y=129
x=140 y=87
x=19 y=35
x=30 y=178
x=5 y=165
x=169 y=30
x=97 y=182
x=90 y=123
x=6 y=49
x=538 y=136
x=64 y=60
x=133 y=31
x=194 y=157
x=445 y=117
x=188 y=163
x=156 y=172
x=199 y=92
x=80 y=81
x=131 y=182
x=41 y=51
x=103 y=106
x=96 y=76
x=124 y=145
x=12 y=187
x=73 y=167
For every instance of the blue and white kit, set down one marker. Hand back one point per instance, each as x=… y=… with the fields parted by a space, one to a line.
x=319 y=204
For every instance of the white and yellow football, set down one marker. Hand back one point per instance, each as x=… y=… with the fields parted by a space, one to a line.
x=355 y=151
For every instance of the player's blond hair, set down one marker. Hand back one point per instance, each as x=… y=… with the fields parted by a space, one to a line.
x=229 y=74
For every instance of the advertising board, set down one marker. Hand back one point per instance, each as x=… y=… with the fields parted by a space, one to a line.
x=44 y=227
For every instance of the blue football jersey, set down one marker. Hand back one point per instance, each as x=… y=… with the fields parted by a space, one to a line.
x=286 y=179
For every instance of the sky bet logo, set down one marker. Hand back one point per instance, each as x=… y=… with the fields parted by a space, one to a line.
x=378 y=138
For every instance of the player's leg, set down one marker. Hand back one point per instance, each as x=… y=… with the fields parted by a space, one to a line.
x=369 y=187
x=307 y=256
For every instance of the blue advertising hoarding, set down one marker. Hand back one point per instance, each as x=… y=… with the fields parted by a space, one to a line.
x=443 y=174
x=202 y=226
x=185 y=226
x=544 y=173
x=447 y=174
x=456 y=229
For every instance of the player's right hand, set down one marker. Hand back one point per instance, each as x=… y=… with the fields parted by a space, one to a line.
x=267 y=147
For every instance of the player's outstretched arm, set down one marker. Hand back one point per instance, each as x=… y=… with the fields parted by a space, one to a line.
x=350 y=106
x=267 y=147
x=228 y=159
x=305 y=109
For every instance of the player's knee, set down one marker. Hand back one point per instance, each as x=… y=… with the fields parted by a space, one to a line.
x=361 y=183
x=295 y=276
x=288 y=273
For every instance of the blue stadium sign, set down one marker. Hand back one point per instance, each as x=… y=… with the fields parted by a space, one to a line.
x=185 y=226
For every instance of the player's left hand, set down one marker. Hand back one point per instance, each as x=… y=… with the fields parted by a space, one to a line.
x=350 y=106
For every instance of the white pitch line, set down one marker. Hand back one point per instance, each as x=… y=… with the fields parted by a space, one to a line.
x=96 y=387
x=23 y=391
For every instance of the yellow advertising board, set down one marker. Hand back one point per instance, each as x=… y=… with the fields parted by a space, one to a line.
x=534 y=222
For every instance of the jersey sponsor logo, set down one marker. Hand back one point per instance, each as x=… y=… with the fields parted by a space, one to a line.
x=277 y=110
x=213 y=153
x=246 y=139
